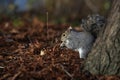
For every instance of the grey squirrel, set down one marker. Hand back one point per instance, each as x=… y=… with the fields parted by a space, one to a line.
x=83 y=41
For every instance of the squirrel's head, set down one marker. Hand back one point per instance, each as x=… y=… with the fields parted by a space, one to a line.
x=65 y=35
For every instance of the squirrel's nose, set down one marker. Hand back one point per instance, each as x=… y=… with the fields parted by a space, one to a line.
x=62 y=46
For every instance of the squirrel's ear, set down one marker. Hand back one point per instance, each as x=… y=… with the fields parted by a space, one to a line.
x=70 y=28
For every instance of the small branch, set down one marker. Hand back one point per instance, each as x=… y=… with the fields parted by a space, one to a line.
x=29 y=39
x=47 y=24
x=47 y=19
x=5 y=76
x=66 y=71
x=1 y=67
x=16 y=75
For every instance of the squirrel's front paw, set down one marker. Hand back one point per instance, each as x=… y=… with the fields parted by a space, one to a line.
x=82 y=54
x=62 y=46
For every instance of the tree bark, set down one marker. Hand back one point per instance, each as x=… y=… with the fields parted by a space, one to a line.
x=104 y=58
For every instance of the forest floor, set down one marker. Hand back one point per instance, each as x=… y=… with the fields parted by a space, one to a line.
x=32 y=52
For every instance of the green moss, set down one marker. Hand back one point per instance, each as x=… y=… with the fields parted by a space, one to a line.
x=107 y=5
x=17 y=22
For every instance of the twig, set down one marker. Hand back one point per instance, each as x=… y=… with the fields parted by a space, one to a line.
x=16 y=75
x=66 y=71
x=5 y=76
x=47 y=24
x=1 y=67
x=29 y=39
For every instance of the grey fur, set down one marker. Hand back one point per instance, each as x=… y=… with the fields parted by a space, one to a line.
x=77 y=40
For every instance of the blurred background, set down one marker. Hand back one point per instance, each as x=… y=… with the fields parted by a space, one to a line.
x=59 y=11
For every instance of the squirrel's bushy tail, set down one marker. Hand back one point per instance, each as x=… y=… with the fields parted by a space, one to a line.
x=93 y=24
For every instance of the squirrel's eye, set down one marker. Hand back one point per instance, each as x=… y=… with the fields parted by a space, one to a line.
x=63 y=34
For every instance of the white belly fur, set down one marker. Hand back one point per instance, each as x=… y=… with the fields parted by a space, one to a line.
x=81 y=53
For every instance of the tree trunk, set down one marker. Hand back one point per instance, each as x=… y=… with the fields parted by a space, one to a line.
x=104 y=58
